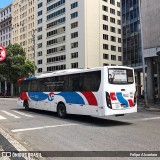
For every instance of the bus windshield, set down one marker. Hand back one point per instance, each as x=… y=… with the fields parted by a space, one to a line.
x=120 y=76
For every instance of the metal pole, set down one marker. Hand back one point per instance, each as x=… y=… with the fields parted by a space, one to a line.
x=143 y=58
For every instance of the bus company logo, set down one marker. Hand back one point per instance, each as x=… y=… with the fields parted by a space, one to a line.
x=2 y=53
x=51 y=96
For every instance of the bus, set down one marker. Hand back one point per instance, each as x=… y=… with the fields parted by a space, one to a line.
x=101 y=91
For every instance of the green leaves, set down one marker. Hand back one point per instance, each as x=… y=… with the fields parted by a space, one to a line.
x=15 y=65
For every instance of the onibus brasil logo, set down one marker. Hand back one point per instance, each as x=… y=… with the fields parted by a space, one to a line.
x=2 y=53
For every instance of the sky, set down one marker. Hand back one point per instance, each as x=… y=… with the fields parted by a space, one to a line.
x=4 y=3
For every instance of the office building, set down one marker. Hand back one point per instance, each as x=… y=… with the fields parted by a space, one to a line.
x=77 y=34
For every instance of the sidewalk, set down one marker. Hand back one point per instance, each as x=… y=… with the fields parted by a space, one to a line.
x=151 y=106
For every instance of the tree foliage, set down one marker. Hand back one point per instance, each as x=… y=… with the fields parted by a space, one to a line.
x=15 y=65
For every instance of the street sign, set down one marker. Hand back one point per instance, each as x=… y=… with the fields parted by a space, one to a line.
x=2 y=53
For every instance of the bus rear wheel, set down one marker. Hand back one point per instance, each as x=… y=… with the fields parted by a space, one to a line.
x=61 y=110
x=26 y=105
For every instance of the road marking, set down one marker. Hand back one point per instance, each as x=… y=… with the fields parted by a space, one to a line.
x=21 y=113
x=10 y=114
x=152 y=118
x=1 y=117
x=36 y=128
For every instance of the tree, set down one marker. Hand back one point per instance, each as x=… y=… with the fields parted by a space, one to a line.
x=15 y=65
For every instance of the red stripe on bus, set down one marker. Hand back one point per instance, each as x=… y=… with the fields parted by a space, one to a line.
x=90 y=98
x=24 y=96
x=113 y=96
x=131 y=104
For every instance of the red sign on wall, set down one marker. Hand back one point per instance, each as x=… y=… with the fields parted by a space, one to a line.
x=2 y=53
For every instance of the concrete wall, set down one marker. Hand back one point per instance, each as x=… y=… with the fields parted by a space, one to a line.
x=150 y=10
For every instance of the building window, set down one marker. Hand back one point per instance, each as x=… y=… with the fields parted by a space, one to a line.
x=105 y=64
x=113 y=39
x=39 y=21
x=74 y=25
x=55 y=14
x=112 y=11
x=112 y=29
x=119 y=40
x=105 y=8
x=74 y=5
x=112 y=20
x=39 y=29
x=39 y=53
x=40 y=5
x=74 y=55
x=74 y=15
x=118 y=13
x=105 y=46
x=112 y=2
x=105 y=27
x=39 y=45
x=119 y=58
x=118 y=4
x=105 y=36
x=39 y=13
x=119 y=49
x=105 y=17
x=39 y=70
x=119 y=22
x=113 y=48
x=74 y=65
x=113 y=57
x=74 y=35
x=39 y=37
x=39 y=61
x=74 y=45
x=119 y=31
x=105 y=56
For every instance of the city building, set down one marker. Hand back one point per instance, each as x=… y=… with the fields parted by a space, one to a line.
x=77 y=34
x=23 y=15
x=131 y=35
x=150 y=13
x=5 y=25
x=5 y=39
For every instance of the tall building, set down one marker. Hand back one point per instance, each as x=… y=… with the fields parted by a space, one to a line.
x=5 y=25
x=5 y=39
x=23 y=15
x=132 y=55
x=77 y=34
x=150 y=13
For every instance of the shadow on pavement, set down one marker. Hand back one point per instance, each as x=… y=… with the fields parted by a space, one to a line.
x=88 y=120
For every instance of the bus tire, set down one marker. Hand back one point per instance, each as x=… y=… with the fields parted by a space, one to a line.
x=26 y=105
x=61 y=110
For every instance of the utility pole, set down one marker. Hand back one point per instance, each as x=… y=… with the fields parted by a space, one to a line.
x=143 y=59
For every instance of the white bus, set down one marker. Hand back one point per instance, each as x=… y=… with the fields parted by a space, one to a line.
x=101 y=91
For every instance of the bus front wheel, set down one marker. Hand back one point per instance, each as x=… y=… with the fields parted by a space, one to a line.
x=26 y=105
x=61 y=110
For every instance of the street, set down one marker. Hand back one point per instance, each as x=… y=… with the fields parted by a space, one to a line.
x=36 y=130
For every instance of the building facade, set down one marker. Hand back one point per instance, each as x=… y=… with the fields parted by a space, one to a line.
x=23 y=25
x=5 y=25
x=77 y=34
x=150 y=13
x=5 y=40
x=132 y=55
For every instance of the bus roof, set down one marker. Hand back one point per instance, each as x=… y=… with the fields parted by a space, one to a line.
x=70 y=71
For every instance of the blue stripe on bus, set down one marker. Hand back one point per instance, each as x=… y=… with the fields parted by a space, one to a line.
x=37 y=96
x=72 y=97
x=121 y=99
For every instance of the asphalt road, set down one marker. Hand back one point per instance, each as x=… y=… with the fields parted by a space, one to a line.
x=45 y=131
